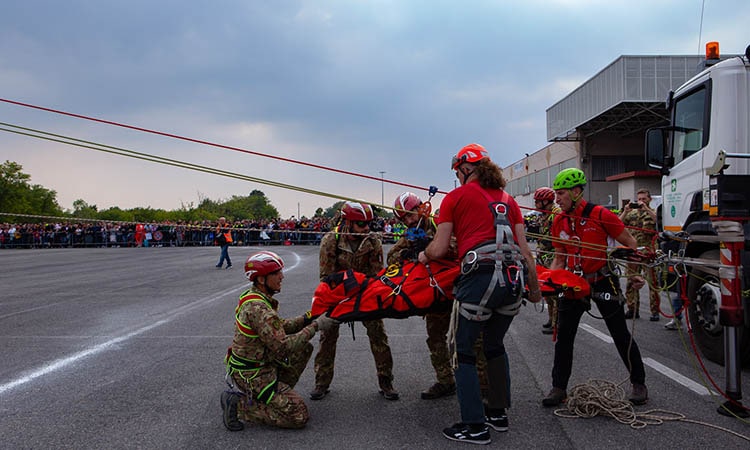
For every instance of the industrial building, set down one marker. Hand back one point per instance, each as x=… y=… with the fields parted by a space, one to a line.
x=600 y=128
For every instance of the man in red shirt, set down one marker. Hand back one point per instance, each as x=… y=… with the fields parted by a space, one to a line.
x=580 y=237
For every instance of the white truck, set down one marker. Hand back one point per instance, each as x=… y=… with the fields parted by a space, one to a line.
x=703 y=156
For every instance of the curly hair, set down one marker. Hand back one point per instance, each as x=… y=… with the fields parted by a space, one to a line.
x=489 y=174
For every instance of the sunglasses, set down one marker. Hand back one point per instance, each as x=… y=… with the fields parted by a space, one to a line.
x=362 y=223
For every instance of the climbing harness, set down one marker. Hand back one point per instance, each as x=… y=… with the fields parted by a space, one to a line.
x=504 y=256
x=245 y=368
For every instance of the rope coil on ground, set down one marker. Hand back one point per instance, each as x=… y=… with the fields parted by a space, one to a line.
x=605 y=398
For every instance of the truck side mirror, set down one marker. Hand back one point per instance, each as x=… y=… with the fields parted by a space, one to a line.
x=656 y=149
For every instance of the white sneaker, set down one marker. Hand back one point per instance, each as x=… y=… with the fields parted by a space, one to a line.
x=673 y=324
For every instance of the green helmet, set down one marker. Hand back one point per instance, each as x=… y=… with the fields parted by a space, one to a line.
x=569 y=178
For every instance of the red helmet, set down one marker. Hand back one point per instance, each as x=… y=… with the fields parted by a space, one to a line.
x=357 y=211
x=471 y=153
x=261 y=264
x=544 y=193
x=404 y=203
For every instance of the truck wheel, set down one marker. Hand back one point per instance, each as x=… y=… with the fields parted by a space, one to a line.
x=704 y=293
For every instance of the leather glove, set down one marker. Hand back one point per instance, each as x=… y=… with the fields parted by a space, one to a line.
x=325 y=323
x=307 y=318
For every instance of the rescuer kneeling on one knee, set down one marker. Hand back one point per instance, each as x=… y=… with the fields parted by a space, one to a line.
x=268 y=353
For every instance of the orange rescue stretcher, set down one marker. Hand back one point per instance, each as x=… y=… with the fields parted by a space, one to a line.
x=414 y=289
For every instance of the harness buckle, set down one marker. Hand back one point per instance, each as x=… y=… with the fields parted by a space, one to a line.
x=470 y=262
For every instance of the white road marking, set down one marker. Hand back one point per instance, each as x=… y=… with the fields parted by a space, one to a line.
x=659 y=367
x=605 y=337
x=64 y=362
x=678 y=377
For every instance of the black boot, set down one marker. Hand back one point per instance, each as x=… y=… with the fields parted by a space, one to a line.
x=386 y=388
x=438 y=390
x=229 y=402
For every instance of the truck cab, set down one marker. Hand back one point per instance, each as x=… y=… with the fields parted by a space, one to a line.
x=709 y=127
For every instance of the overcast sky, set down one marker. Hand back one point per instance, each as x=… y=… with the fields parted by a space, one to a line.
x=361 y=86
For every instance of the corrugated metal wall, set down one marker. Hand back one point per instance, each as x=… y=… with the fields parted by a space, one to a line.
x=628 y=78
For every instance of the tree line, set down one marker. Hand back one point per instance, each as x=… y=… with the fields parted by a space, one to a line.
x=19 y=196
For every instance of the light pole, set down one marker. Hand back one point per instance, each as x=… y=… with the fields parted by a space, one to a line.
x=382 y=192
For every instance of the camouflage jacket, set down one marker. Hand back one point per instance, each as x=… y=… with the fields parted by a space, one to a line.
x=336 y=254
x=545 y=250
x=262 y=336
x=638 y=222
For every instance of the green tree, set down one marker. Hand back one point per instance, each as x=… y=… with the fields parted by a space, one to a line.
x=17 y=195
x=84 y=210
x=333 y=210
x=116 y=214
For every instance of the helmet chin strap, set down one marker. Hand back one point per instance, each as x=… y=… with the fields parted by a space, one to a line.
x=466 y=173
x=265 y=288
x=575 y=199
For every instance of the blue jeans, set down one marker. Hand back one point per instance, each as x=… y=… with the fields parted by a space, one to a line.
x=493 y=329
x=224 y=255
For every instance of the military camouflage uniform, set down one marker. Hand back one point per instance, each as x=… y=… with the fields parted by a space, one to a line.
x=640 y=221
x=437 y=323
x=276 y=351
x=545 y=253
x=337 y=254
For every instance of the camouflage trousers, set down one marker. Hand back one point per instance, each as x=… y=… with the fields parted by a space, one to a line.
x=437 y=330
x=632 y=296
x=552 y=309
x=286 y=409
x=381 y=352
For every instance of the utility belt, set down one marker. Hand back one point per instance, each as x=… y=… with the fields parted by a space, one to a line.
x=485 y=255
x=242 y=364
x=504 y=264
x=600 y=275
x=239 y=364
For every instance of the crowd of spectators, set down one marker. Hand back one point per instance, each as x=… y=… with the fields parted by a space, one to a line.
x=74 y=233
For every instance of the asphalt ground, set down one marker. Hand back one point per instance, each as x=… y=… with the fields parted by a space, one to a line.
x=123 y=348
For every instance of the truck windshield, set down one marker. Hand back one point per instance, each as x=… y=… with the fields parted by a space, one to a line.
x=690 y=119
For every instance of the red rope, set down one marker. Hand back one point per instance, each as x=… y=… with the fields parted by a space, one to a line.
x=198 y=141
x=705 y=369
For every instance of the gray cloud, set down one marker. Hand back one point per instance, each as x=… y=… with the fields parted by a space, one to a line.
x=362 y=86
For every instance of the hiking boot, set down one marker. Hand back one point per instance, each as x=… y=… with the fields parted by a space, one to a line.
x=229 y=402
x=555 y=397
x=673 y=324
x=229 y=267
x=319 y=392
x=471 y=434
x=654 y=318
x=639 y=394
x=386 y=389
x=547 y=331
x=497 y=421
x=548 y=324
x=438 y=390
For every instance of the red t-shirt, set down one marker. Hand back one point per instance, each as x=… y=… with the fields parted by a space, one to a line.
x=594 y=230
x=473 y=222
